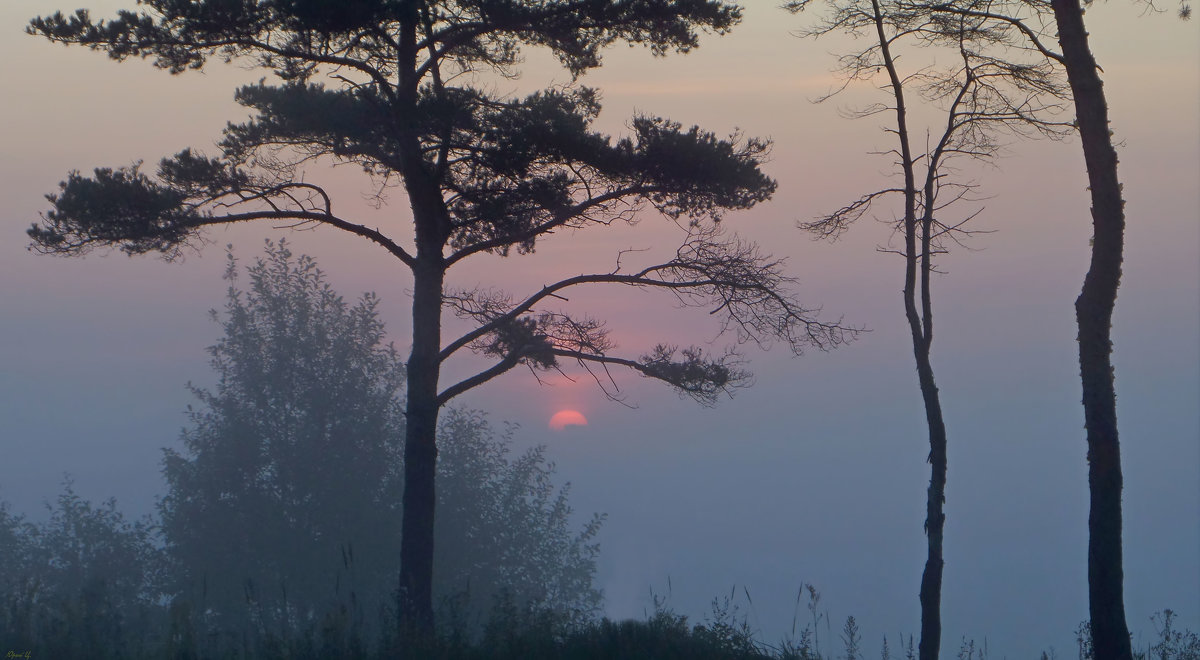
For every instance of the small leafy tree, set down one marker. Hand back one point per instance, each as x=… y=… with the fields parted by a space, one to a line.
x=78 y=582
x=281 y=506
x=12 y=548
x=291 y=461
x=482 y=172
x=507 y=531
x=15 y=555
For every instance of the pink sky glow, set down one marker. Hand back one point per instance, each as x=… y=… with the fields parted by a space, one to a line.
x=817 y=472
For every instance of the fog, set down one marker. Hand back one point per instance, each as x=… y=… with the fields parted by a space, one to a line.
x=814 y=475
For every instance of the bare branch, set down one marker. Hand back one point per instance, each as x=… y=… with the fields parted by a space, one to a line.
x=696 y=376
x=832 y=226
x=1035 y=38
x=746 y=288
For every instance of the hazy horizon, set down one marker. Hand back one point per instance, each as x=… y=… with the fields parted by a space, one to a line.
x=817 y=473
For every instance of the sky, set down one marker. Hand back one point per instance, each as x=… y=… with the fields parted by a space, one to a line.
x=814 y=475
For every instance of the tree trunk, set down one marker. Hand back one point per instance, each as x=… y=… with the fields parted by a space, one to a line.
x=420 y=452
x=935 y=497
x=935 y=518
x=921 y=327
x=424 y=362
x=1093 y=312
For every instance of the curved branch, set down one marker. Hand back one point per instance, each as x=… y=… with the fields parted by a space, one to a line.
x=560 y=218
x=742 y=284
x=1010 y=20
x=123 y=207
x=696 y=376
x=480 y=378
x=374 y=235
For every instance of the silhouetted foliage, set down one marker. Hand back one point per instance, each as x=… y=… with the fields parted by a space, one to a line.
x=852 y=639
x=12 y=548
x=1172 y=643
x=482 y=172
x=77 y=583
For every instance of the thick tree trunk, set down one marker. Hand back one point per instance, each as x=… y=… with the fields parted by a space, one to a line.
x=935 y=518
x=420 y=452
x=424 y=363
x=1093 y=311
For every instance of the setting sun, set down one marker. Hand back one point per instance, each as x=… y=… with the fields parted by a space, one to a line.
x=564 y=418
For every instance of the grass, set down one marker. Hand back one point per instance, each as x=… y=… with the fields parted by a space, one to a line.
x=93 y=625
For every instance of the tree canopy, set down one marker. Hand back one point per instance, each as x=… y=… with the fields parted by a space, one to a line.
x=508 y=169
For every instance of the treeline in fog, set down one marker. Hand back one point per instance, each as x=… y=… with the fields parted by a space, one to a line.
x=279 y=518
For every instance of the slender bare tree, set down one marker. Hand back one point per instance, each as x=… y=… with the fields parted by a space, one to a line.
x=981 y=98
x=1039 y=22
